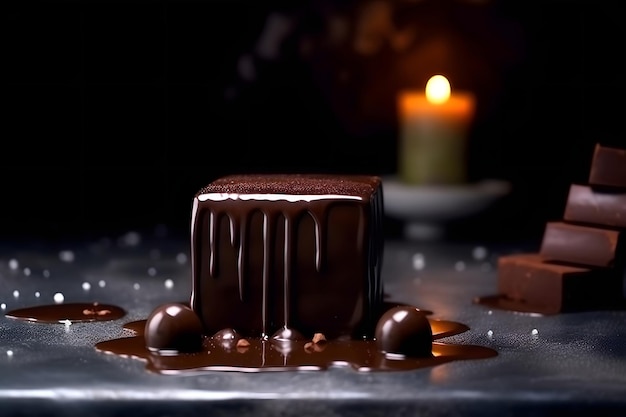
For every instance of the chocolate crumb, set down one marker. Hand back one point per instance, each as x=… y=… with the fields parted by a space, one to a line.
x=319 y=337
x=243 y=343
x=311 y=347
x=93 y=311
x=242 y=346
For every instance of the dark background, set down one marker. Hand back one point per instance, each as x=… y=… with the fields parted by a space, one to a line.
x=117 y=112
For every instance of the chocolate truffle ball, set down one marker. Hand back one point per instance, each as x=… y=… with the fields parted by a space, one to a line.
x=404 y=331
x=173 y=328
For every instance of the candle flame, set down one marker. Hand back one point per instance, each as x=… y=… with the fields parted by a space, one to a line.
x=437 y=89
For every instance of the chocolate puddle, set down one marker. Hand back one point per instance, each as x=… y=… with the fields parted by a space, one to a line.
x=74 y=312
x=256 y=354
x=260 y=355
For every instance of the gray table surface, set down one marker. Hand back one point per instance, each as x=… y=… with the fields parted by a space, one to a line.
x=570 y=364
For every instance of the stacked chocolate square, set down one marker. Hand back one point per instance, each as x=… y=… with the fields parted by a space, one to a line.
x=582 y=259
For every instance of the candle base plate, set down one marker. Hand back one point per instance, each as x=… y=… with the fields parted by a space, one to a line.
x=426 y=209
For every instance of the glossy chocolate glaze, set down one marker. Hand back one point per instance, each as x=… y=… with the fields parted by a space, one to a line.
x=275 y=253
x=72 y=312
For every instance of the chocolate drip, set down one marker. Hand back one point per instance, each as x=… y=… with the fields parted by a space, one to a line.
x=320 y=247
x=213 y=254
x=376 y=255
x=241 y=259
x=287 y=261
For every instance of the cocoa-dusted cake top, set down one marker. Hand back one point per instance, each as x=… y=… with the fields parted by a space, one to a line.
x=294 y=184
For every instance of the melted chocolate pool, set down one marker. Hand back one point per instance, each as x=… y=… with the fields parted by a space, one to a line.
x=228 y=351
x=74 y=312
x=406 y=340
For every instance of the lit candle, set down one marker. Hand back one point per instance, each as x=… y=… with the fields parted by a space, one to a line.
x=433 y=133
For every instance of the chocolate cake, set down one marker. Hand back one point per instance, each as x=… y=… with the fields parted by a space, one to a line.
x=288 y=255
x=582 y=259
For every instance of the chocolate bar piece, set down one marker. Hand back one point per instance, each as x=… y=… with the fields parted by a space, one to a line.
x=550 y=288
x=583 y=245
x=294 y=254
x=588 y=205
x=608 y=167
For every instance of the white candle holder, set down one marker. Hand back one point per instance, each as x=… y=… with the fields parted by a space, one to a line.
x=427 y=209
